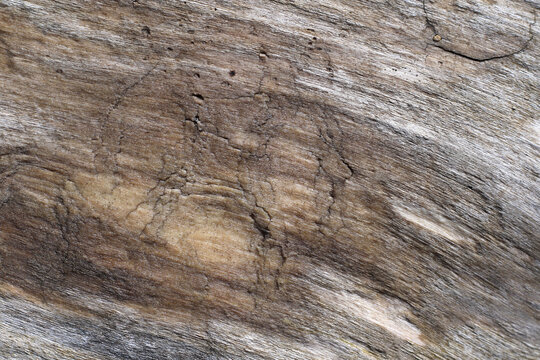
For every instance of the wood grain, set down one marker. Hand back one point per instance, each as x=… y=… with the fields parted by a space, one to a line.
x=272 y=179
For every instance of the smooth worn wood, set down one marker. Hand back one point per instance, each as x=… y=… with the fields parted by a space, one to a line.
x=277 y=179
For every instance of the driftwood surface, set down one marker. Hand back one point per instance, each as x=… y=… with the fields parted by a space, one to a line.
x=269 y=179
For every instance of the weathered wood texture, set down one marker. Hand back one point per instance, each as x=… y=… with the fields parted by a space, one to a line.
x=277 y=179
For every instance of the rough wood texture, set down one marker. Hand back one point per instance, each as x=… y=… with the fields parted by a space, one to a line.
x=280 y=179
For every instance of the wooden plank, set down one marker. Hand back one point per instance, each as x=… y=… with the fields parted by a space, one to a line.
x=269 y=179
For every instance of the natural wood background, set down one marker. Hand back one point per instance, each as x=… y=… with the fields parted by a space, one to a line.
x=269 y=179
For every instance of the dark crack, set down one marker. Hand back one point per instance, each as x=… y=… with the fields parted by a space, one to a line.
x=472 y=58
x=116 y=103
x=62 y=223
x=262 y=225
